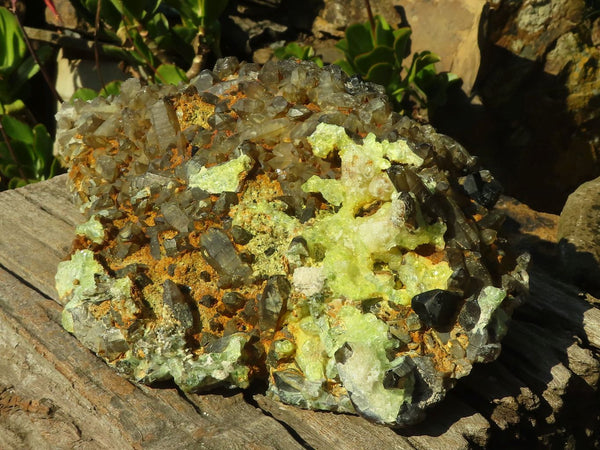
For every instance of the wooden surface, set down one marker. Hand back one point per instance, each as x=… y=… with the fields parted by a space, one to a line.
x=54 y=393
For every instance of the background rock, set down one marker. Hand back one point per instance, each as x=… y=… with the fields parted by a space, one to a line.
x=579 y=236
x=540 y=84
x=448 y=28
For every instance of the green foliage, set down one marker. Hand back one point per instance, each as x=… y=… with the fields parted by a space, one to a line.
x=16 y=65
x=25 y=151
x=170 y=74
x=139 y=33
x=26 y=154
x=377 y=54
x=86 y=94
x=301 y=52
x=201 y=16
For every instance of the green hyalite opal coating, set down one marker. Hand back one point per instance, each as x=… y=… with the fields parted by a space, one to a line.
x=282 y=223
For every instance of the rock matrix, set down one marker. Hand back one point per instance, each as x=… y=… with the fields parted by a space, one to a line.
x=282 y=223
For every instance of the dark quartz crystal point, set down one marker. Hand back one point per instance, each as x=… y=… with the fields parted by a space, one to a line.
x=208 y=300
x=482 y=188
x=222 y=256
x=436 y=308
x=233 y=301
x=396 y=376
x=240 y=235
x=469 y=314
x=343 y=353
x=224 y=202
x=273 y=301
x=175 y=301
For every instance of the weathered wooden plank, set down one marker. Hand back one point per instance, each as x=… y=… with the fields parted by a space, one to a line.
x=41 y=360
x=253 y=424
x=32 y=241
x=452 y=424
x=53 y=197
x=499 y=395
x=556 y=303
x=323 y=430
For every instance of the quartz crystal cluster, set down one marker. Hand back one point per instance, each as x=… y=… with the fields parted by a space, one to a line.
x=282 y=223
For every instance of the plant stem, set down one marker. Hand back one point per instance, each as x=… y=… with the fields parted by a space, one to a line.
x=34 y=55
x=11 y=150
x=371 y=19
x=136 y=48
x=200 y=52
x=96 y=52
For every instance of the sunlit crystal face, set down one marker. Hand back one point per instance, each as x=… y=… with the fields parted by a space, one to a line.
x=281 y=223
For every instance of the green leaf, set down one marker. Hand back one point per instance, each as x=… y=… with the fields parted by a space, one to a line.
x=421 y=61
x=17 y=182
x=84 y=94
x=10 y=171
x=380 y=73
x=186 y=33
x=118 y=53
x=384 y=35
x=188 y=10
x=118 y=5
x=170 y=74
x=42 y=145
x=294 y=50
x=18 y=80
x=212 y=9
x=288 y=51
x=380 y=54
x=17 y=130
x=5 y=157
x=398 y=94
x=346 y=66
x=22 y=152
x=108 y=13
x=359 y=39
x=112 y=88
x=145 y=54
x=13 y=107
x=453 y=78
x=28 y=68
x=157 y=26
x=12 y=44
x=342 y=45
x=54 y=168
x=401 y=43
x=131 y=8
x=425 y=59
x=179 y=41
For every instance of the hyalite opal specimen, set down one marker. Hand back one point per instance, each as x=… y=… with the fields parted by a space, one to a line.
x=282 y=223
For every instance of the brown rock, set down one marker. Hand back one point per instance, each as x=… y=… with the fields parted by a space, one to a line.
x=579 y=236
x=67 y=16
x=448 y=28
x=540 y=81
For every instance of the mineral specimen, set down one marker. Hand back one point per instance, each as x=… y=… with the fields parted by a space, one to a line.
x=282 y=223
